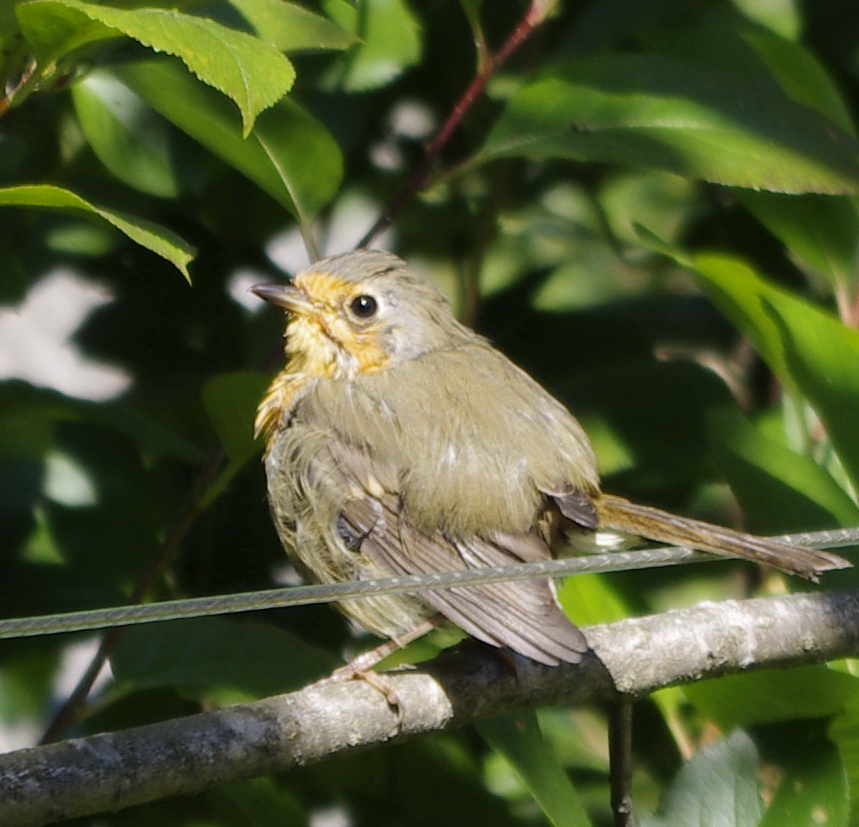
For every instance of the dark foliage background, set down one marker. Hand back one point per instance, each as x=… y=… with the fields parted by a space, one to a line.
x=651 y=207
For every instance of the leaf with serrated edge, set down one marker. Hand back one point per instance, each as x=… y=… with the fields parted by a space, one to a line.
x=153 y=237
x=249 y=71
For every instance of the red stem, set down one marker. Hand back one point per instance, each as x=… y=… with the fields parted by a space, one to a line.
x=533 y=17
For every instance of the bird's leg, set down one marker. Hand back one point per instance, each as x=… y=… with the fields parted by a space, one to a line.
x=361 y=667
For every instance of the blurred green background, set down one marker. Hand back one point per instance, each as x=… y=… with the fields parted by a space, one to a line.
x=651 y=208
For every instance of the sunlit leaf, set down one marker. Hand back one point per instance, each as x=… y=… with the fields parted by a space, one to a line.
x=779 y=490
x=157 y=239
x=249 y=71
x=390 y=41
x=773 y=695
x=519 y=740
x=658 y=112
x=291 y=28
x=822 y=356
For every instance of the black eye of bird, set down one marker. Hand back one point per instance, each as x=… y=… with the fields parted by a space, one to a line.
x=364 y=307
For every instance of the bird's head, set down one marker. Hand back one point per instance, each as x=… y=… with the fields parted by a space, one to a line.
x=360 y=312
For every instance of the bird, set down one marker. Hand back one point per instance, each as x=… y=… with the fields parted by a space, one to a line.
x=399 y=441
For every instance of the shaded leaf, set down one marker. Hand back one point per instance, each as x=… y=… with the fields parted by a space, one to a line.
x=253 y=657
x=812 y=790
x=231 y=401
x=289 y=154
x=801 y=74
x=261 y=799
x=717 y=788
x=128 y=138
x=844 y=732
x=819 y=231
x=773 y=695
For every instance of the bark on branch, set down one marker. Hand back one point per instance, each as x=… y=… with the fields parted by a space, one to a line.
x=633 y=657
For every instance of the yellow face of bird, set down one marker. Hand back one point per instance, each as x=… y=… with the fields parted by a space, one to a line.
x=334 y=328
x=359 y=313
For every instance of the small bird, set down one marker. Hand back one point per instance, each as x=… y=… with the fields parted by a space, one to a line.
x=399 y=441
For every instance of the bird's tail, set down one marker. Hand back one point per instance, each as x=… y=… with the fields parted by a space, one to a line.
x=664 y=527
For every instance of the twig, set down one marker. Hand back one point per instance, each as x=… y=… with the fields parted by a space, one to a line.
x=536 y=14
x=71 y=707
x=620 y=760
x=632 y=657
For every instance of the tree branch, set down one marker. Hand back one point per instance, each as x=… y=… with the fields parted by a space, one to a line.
x=632 y=657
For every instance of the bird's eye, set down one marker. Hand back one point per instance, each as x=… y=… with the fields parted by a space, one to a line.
x=364 y=307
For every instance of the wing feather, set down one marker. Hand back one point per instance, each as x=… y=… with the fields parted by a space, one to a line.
x=524 y=616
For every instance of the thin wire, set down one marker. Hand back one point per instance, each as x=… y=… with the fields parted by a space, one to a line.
x=304 y=595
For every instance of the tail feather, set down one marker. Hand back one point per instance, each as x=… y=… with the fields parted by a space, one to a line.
x=664 y=527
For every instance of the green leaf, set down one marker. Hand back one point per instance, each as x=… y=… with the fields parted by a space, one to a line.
x=744 y=297
x=292 y=28
x=471 y=8
x=125 y=134
x=247 y=70
x=844 y=732
x=151 y=236
x=666 y=113
x=812 y=788
x=253 y=657
x=288 y=154
x=820 y=231
x=784 y=18
x=518 y=738
x=231 y=401
x=390 y=42
x=588 y=599
x=773 y=695
x=779 y=490
x=728 y=43
x=54 y=29
x=801 y=74
x=821 y=355
x=808 y=349
x=717 y=788
x=13 y=49
x=259 y=801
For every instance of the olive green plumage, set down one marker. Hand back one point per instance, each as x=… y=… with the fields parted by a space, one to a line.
x=400 y=441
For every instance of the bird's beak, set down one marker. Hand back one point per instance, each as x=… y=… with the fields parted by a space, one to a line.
x=288 y=296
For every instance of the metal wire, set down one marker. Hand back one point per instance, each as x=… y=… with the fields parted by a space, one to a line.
x=303 y=595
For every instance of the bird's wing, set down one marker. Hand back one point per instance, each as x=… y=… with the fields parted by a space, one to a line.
x=522 y=615
x=576 y=505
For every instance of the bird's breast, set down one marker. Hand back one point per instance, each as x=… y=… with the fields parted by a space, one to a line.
x=470 y=442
